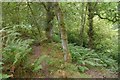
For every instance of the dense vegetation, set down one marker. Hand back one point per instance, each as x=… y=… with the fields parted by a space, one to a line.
x=59 y=39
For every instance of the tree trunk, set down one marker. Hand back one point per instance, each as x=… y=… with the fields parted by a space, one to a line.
x=60 y=18
x=49 y=17
x=83 y=19
x=90 y=24
x=0 y=26
x=119 y=38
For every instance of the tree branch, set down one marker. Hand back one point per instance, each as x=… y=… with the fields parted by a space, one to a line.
x=112 y=20
x=44 y=6
x=35 y=20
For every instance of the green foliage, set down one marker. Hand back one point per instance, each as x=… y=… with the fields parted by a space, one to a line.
x=82 y=68
x=36 y=65
x=27 y=23
x=73 y=37
x=29 y=31
x=108 y=10
x=24 y=29
x=86 y=58
x=106 y=38
x=108 y=61
x=4 y=76
x=56 y=38
x=16 y=50
x=70 y=67
x=1 y=74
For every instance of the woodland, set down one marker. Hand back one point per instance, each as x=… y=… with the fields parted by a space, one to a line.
x=59 y=40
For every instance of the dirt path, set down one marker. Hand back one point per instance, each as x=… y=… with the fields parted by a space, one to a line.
x=101 y=74
x=37 y=52
x=46 y=50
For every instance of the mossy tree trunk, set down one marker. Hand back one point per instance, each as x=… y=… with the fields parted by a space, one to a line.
x=90 y=25
x=119 y=39
x=49 y=17
x=63 y=32
x=83 y=19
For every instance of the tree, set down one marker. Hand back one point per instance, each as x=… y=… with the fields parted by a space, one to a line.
x=90 y=24
x=107 y=11
x=60 y=18
x=83 y=19
x=91 y=10
x=119 y=38
x=49 y=16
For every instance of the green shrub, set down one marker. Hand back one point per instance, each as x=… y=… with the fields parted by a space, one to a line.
x=56 y=38
x=1 y=74
x=36 y=65
x=74 y=38
x=16 y=50
x=86 y=58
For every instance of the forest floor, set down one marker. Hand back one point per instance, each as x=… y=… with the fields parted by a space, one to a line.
x=57 y=68
x=53 y=65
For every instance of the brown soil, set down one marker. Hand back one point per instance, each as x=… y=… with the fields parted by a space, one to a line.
x=94 y=73
x=38 y=51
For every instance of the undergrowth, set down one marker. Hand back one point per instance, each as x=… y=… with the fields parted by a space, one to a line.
x=86 y=58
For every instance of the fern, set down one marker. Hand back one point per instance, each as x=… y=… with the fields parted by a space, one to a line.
x=85 y=58
x=16 y=50
x=37 y=64
x=1 y=74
